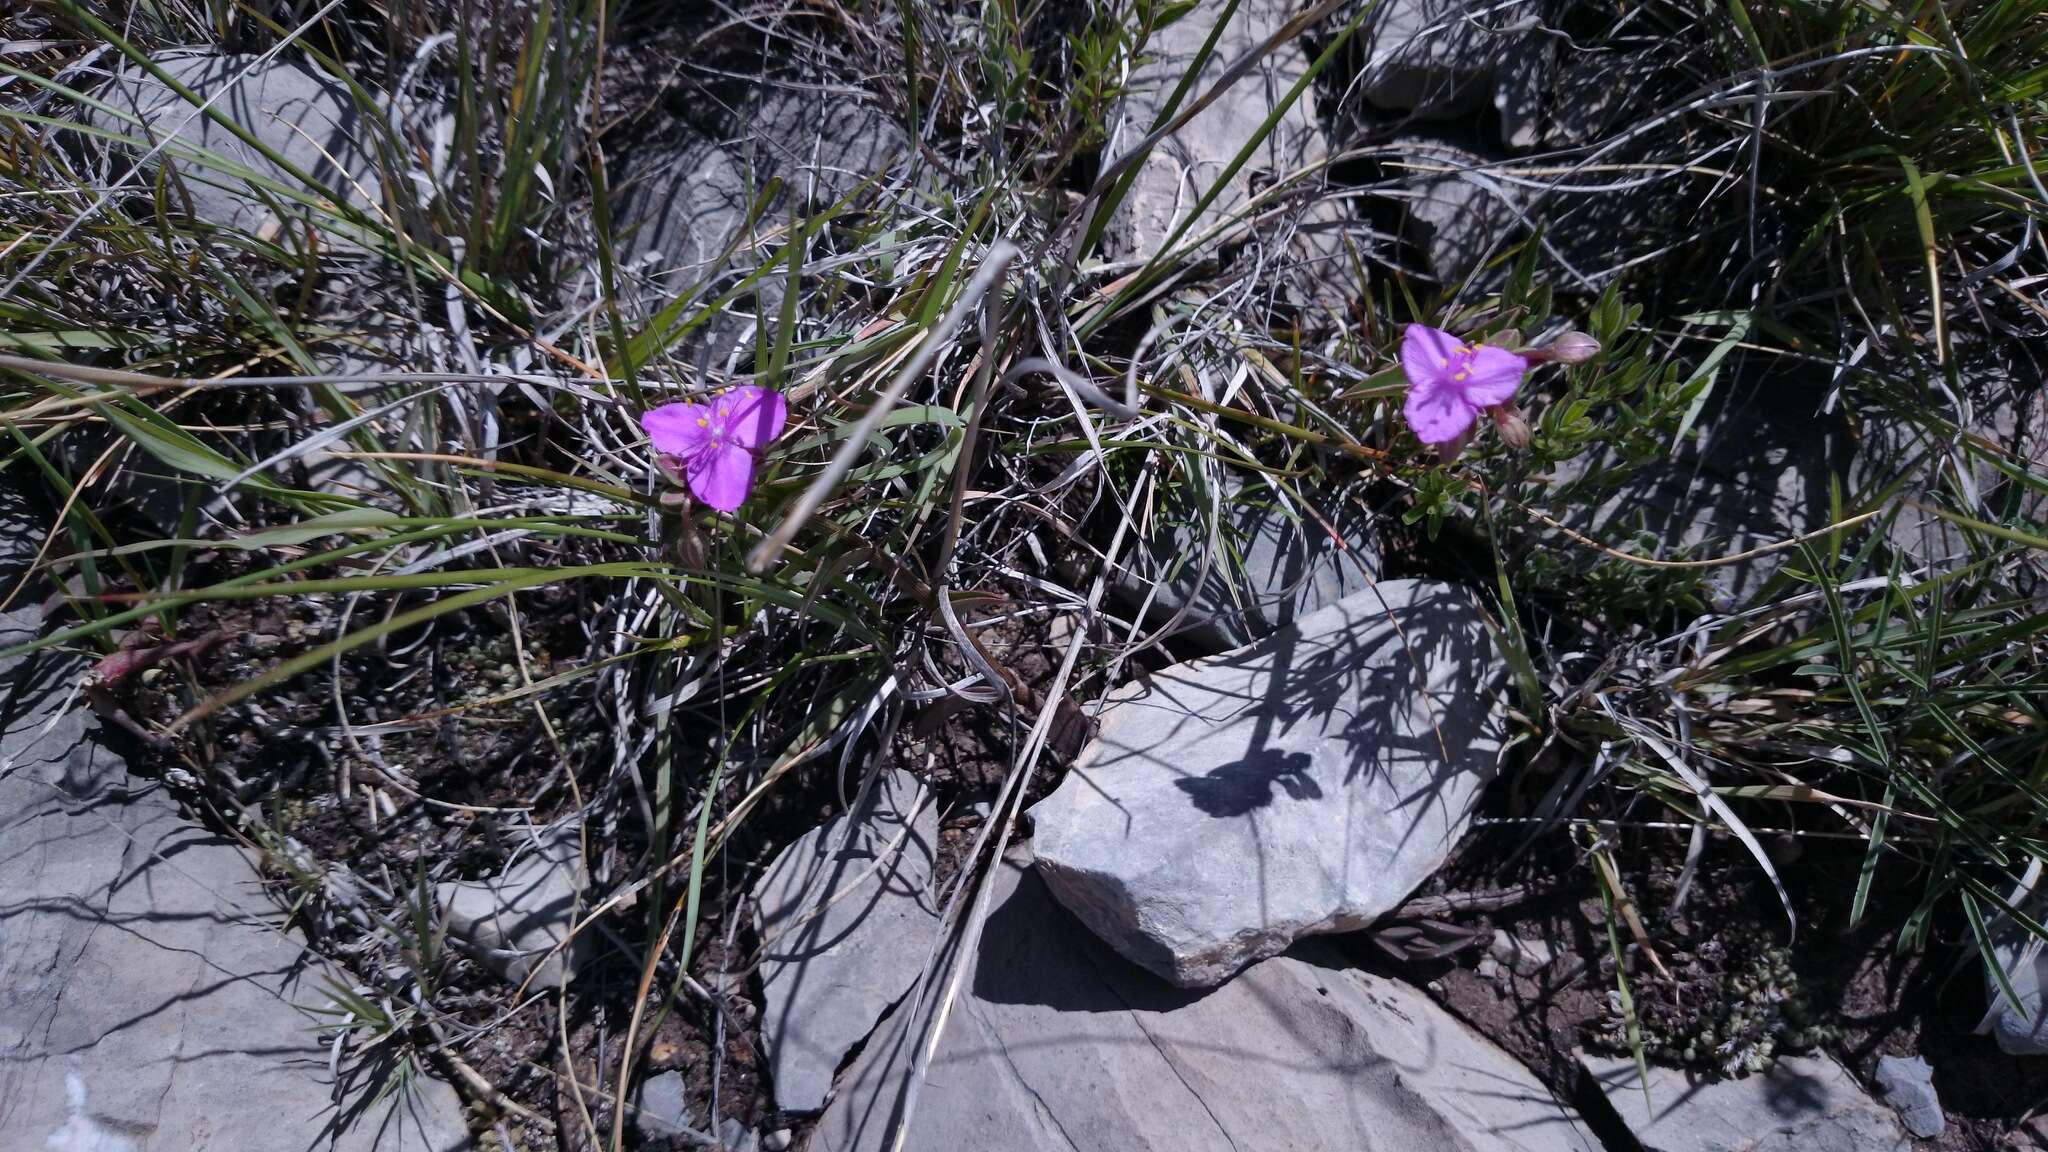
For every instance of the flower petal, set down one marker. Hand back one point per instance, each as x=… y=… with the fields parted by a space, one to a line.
x=1438 y=414
x=678 y=429
x=1494 y=374
x=722 y=476
x=755 y=416
x=1426 y=354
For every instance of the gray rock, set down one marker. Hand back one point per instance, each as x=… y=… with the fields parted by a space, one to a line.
x=676 y=214
x=1182 y=167
x=1435 y=59
x=1521 y=93
x=662 y=1107
x=1457 y=216
x=1234 y=804
x=1270 y=569
x=1055 y=1042
x=823 y=144
x=302 y=115
x=1757 y=473
x=847 y=919
x=513 y=921
x=1908 y=1086
x=148 y=997
x=776 y=1141
x=1803 y=1104
x=2021 y=1031
x=1526 y=957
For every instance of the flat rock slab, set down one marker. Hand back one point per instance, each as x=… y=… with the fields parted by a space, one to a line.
x=1307 y=784
x=848 y=919
x=1182 y=167
x=148 y=999
x=1803 y=1104
x=1057 y=1043
x=516 y=922
x=304 y=116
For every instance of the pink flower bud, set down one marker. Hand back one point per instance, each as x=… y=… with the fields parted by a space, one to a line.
x=1573 y=348
x=1514 y=430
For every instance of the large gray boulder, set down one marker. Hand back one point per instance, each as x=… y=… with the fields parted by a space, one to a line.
x=1182 y=167
x=1055 y=1042
x=1802 y=1104
x=1305 y=785
x=303 y=116
x=847 y=918
x=149 y=998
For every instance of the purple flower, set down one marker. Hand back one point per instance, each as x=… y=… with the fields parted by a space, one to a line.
x=717 y=442
x=1450 y=382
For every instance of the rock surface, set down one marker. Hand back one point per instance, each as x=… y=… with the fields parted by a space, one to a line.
x=1758 y=474
x=513 y=921
x=1803 y=1104
x=1055 y=1042
x=1435 y=59
x=1458 y=216
x=662 y=1107
x=302 y=115
x=1234 y=804
x=847 y=919
x=1908 y=1086
x=823 y=144
x=1182 y=167
x=148 y=999
x=676 y=215
x=1285 y=567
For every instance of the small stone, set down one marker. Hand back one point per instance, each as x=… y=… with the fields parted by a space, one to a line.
x=1234 y=804
x=847 y=919
x=1526 y=957
x=676 y=213
x=1489 y=968
x=1800 y=1104
x=662 y=1107
x=776 y=1141
x=824 y=145
x=1908 y=1086
x=151 y=995
x=515 y=921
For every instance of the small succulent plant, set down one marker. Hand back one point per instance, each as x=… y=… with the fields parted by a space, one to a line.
x=1730 y=1010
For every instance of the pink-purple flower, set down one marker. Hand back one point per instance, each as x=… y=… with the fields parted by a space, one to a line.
x=1450 y=382
x=717 y=442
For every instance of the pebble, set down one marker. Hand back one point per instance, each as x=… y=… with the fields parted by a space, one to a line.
x=776 y=1141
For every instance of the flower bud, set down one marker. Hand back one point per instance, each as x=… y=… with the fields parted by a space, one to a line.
x=1573 y=347
x=1514 y=430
